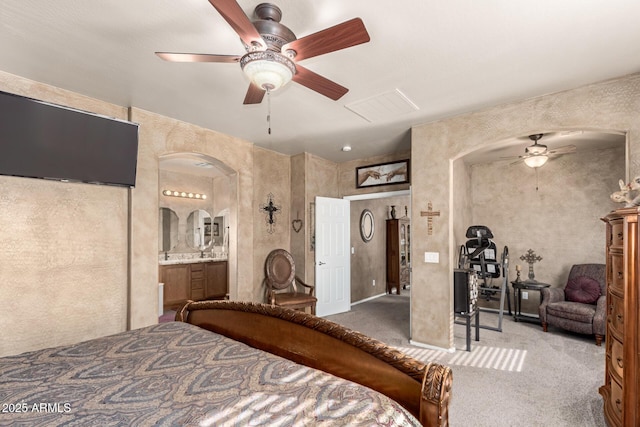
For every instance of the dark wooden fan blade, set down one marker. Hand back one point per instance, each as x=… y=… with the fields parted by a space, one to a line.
x=254 y=95
x=341 y=36
x=235 y=16
x=196 y=57
x=318 y=83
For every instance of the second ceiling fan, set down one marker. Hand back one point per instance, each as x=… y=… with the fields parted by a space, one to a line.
x=536 y=155
x=273 y=51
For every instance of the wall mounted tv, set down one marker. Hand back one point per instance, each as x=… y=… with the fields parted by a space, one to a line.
x=42 y=140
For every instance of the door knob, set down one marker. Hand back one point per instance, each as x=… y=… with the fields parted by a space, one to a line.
x=321 y=263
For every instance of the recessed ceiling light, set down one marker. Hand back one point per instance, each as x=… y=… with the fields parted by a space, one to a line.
x=346 y=148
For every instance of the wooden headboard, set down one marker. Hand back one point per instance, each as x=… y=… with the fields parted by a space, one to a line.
x=424 y=390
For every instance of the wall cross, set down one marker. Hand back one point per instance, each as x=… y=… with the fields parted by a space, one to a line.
x=430 y=213
x=530 y=257
x=270 y=209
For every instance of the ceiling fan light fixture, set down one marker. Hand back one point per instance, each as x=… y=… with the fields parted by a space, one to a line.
x=267 y=69
x=535 y=161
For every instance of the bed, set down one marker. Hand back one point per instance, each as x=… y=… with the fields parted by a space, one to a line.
x=225 y=363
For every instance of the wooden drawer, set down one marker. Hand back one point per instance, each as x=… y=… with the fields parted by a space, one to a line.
x=616 y=366
x=617 y=273
x=197 y=294
x=197 y=271
x=617 y=233
x=616 y=314
x=615 y=401
x=197 y=284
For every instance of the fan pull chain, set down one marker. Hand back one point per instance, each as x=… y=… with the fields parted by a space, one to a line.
x=536 y=169
x=269 y=111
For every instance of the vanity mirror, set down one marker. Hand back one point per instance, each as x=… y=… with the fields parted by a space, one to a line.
x=168 y=230
x=199 y=230
x=218 y=231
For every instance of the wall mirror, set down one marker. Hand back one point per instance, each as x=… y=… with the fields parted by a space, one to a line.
x=217 y=230
x=168 y=230
x=199 y=225
x=367 y=226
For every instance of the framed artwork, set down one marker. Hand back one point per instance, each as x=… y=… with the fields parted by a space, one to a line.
x=383 y=174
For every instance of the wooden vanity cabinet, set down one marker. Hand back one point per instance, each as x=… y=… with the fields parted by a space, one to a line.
x=217 y=284
x=194 y=281
x=177 y=287
x=197 y=281
x=621 y=389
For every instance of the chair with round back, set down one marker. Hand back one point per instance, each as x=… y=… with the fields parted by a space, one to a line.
x=281 y=282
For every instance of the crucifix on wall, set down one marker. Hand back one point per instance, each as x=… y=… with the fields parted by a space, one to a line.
x=530 y=258
x=270 y=209
x=430 y=213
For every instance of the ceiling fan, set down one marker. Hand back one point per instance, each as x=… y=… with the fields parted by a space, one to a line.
x=273 y=50
x=536 y=155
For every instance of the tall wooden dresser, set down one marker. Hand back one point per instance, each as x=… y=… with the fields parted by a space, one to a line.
x=398 y=254
x=622 y=382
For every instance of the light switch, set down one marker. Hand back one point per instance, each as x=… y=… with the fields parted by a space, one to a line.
x=432 y=257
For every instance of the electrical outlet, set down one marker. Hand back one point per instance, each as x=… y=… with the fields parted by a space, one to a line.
x=525 y=295
x=374 y=282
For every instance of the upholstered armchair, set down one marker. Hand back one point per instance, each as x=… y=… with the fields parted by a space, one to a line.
x=281 y=282
x=581 y=305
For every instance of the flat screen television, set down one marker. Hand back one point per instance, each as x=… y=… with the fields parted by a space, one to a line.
x=43 y=140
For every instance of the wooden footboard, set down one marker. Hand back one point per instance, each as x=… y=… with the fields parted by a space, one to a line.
x=424 y=390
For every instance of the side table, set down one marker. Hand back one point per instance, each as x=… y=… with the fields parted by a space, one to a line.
x=531 y=285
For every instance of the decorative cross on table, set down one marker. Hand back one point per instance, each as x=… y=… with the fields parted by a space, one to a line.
x=271 y=209
x=430 y=213
x=530 y=257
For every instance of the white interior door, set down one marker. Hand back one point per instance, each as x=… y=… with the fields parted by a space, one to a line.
x=333 y=262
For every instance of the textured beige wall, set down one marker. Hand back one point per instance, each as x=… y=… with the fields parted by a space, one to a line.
x=63 y=263
x=347 y=175
x=321 y=181
x=272 y=176
x=607 y=106
x=299 y=240
x=159 y=136
x=560 y=222
x=368 y=262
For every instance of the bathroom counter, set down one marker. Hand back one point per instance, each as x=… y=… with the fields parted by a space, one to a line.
x=189 y=260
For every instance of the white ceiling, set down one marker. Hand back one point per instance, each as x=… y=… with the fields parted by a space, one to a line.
x=447 y=58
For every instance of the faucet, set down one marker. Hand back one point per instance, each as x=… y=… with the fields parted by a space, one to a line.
x=201 y=254
x=166 y=255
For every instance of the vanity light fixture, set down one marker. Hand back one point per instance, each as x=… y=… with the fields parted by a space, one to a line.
x=184 y=194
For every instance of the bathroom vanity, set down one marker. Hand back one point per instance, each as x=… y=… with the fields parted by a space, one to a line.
x=193 y=279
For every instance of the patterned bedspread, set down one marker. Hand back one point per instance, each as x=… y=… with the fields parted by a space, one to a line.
x=176 y=374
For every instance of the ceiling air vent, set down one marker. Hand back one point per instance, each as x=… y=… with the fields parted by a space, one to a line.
x=383 y=106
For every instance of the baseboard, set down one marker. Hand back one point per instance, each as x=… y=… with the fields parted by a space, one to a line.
x=506 y=312
x=367 y=299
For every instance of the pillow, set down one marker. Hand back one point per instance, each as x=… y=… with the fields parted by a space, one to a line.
x=582 y=289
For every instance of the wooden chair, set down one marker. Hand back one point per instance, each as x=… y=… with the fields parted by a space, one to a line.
x=281 y=282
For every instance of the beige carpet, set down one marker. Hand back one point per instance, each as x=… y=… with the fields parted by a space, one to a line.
x=518 y=377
